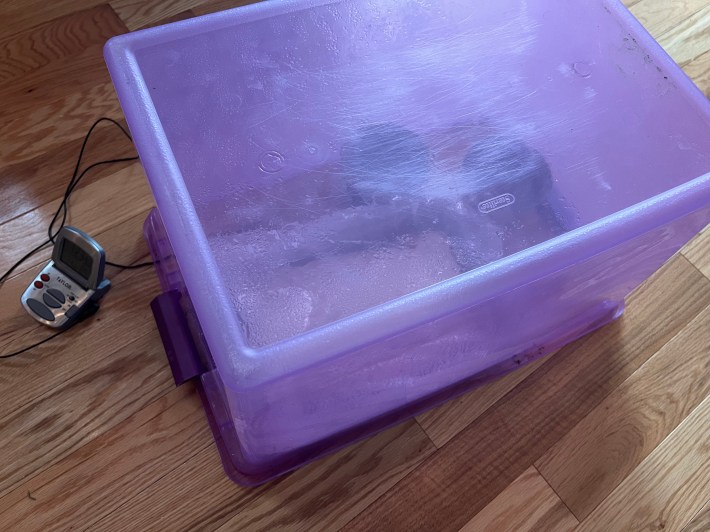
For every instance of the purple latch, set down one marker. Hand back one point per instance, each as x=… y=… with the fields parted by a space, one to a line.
x=182 y=354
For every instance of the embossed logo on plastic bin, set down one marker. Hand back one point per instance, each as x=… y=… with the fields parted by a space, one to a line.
x=272 y=162
x=499 y=202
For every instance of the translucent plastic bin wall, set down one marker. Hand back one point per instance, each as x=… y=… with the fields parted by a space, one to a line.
x=375 y=205
x=295 y=419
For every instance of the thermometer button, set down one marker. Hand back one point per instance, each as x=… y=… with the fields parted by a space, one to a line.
x=50 y=301
x=56 y=294
x=39 y=309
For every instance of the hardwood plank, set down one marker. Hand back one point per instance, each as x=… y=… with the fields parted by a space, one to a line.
x=209 y=496
x=19 y=15
x=94 y=208
x=701 y=521
x=39 y=434
x=330 y=491
x=698 y=252
x=50 y=86
x=326 y=495
x=64 y=85
x=96 y=479
x=699 y=71
x=630 y=3
x=32 y=128
x=595 y=457
x=212 y=6
x=668 y=488
x=125 y=314
x=126 y=483
x=476 y=465
x=34 y=182
x=323 y=495
x=52 y=364
x=690 y=39
x=17 y=328
x=446 y=421
x=61 y=76
x=136 y=14
x=129 y=250
x=123 y=242
x=529 y=503
x=660 y=17
x=58 y=39
x=183 y=15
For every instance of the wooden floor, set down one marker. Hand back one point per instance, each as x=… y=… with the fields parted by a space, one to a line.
x=611 y=433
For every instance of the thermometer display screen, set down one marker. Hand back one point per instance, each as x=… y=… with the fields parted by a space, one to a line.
x=76 y=258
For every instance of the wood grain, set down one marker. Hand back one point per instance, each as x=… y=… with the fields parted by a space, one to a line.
x=319 y=496
x=475 y=466
x=183 y=15
x=56 y=70
x=326 y=496
x=136 y=14
x=446 y=421
x=334 y=490
x=668 y=488
x=139 y=14
x=689 y=39
x=14 y=321
x=699 y=71
x=105 y=393
x=594 y=457
x=630 y=3
x=94 y=208
x=56 y=40
x=698 y=252
x=661 y=17
x=18 y=329
x=212 y=6
x=19 y=15
x=213 y=497
x=43 y=178
x=94 y=438
x=124 y=315
x=701 y=521
x=31 y=129
x=53 y=364
x=50 y=82
x=527 y=504
x=123 y=244
x=96 y=479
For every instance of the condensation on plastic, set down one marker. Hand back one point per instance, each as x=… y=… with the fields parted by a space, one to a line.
x=374 y=205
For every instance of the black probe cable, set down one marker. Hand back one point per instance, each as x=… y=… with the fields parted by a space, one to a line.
x=63 y=211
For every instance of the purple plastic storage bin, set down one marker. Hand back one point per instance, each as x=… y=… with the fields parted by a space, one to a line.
x=365 y=208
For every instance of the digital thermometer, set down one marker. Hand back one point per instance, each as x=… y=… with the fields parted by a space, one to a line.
x=71 y=285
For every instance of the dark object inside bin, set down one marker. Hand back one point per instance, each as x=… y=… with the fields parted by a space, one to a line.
x=515 y=188
x=381 y=159
x=507 y=182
